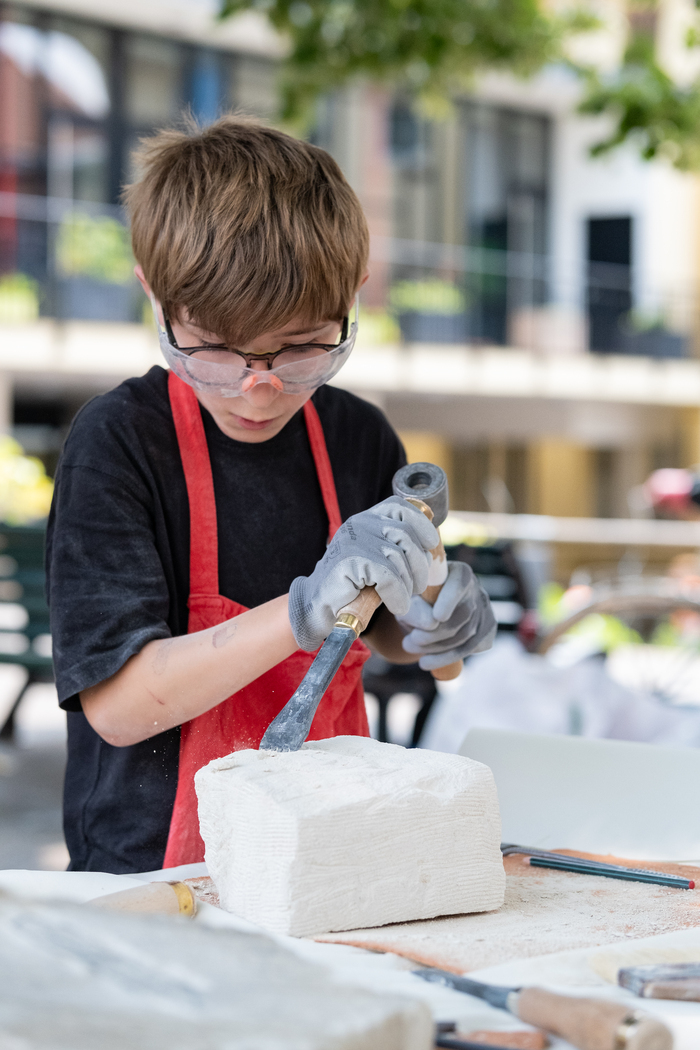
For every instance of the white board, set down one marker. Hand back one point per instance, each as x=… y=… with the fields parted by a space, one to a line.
x=602 y=796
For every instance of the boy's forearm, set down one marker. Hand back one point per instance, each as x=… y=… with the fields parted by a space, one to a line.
x=175 y=679
x=386 y=637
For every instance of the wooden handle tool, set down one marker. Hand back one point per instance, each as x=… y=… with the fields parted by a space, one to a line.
x=589 y=1024
x=153 y=898
x=360 y=610
x=425 y=486
x=290 y=728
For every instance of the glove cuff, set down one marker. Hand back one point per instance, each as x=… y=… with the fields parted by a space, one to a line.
x=299 y=616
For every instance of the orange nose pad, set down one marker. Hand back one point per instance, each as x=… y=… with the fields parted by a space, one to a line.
x=263 y=377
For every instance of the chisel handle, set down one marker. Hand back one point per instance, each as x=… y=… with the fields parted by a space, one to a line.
x=359 y=611
x=590 y=1024
x=153 y=898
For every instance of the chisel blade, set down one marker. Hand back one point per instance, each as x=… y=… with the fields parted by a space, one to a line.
x=289 y=730
x=494 y=994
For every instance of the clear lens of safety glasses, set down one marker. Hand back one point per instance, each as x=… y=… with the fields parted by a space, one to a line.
x=216 y=371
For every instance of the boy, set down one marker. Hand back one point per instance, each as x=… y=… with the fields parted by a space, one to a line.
x=189 y=575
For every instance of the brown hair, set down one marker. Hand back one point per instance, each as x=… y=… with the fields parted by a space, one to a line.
x=245 y=227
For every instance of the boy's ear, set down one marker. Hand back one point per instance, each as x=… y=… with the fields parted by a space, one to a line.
x=364 y=280
x=138 y=270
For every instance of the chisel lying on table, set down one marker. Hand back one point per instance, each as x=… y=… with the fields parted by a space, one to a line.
x=540 y=858
x=589 y=1024
x=425 y=486
x=663 y=981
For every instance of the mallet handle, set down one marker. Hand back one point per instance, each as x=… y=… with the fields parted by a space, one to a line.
x=359 y=611
x=430 y=595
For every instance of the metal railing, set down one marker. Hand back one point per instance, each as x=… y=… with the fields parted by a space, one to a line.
x=438 y=293
x=71 y=259
x=65 y=259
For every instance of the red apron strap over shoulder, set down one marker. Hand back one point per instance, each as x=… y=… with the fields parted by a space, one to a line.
x=240 y=721
x=204 y=540
x=324 y=470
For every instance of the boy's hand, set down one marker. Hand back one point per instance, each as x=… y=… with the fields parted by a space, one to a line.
x=386 y=547
x=460 y=623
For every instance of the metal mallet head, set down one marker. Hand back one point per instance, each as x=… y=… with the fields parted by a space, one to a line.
x=426 y=482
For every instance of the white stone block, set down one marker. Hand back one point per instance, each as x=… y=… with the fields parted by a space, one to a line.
x=349 y=833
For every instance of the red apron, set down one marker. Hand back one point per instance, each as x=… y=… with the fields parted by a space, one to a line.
x=240 y=721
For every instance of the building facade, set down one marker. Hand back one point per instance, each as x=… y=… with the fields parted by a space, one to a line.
x=531 y=316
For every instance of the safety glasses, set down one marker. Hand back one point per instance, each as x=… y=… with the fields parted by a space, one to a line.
x=295 y=369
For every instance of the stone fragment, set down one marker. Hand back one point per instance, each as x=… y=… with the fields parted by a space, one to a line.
x=349 y=833
x=77 y=978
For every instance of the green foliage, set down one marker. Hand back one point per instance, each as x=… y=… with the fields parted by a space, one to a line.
x=433 y=48
x=19 y=299
x=649 y=109
x=377 y=328
x=430 y=47
x=601 y=631
x=426 y=297
x=25 y=490
x=94 y=247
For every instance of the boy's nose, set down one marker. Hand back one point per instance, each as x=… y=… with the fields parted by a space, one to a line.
x=261 y=395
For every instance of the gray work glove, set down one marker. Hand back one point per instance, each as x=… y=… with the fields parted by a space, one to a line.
x=460 y=623
x=386 y=547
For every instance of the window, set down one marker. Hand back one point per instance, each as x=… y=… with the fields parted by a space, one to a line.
x=153 y=81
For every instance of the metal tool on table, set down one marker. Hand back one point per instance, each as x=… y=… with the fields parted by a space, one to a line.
x=425 y=486
x=589 y=1024
x=540 y=858
x=450 y=1042
x=663 y=981
x=448 y=1037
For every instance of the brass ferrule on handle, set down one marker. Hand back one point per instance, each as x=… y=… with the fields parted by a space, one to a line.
x=186 y=900
x=359 y=611
x=346 y=619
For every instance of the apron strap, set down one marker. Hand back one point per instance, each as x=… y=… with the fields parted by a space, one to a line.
x=323 y=468
x=204 y=541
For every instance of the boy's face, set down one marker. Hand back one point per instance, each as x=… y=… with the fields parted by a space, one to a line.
x=264 y=411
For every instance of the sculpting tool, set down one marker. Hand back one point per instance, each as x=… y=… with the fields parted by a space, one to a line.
x=585 y=866
x=612 y=872
x=589 y=1024
x=153 y=898
x=450 y=1042
x=663 y=981
x=425 y=486
x=447 y=1036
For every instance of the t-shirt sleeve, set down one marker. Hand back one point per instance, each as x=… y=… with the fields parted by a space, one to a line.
x=106 y=587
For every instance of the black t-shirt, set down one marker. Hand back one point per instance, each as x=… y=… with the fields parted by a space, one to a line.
x=118 y=573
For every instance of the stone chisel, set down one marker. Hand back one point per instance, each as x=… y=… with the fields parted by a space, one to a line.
x=589 y=1024
x=425 y=486
x=663 y=981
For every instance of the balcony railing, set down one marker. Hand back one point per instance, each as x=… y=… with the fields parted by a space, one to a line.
x=72 y=260
x=437 y=293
